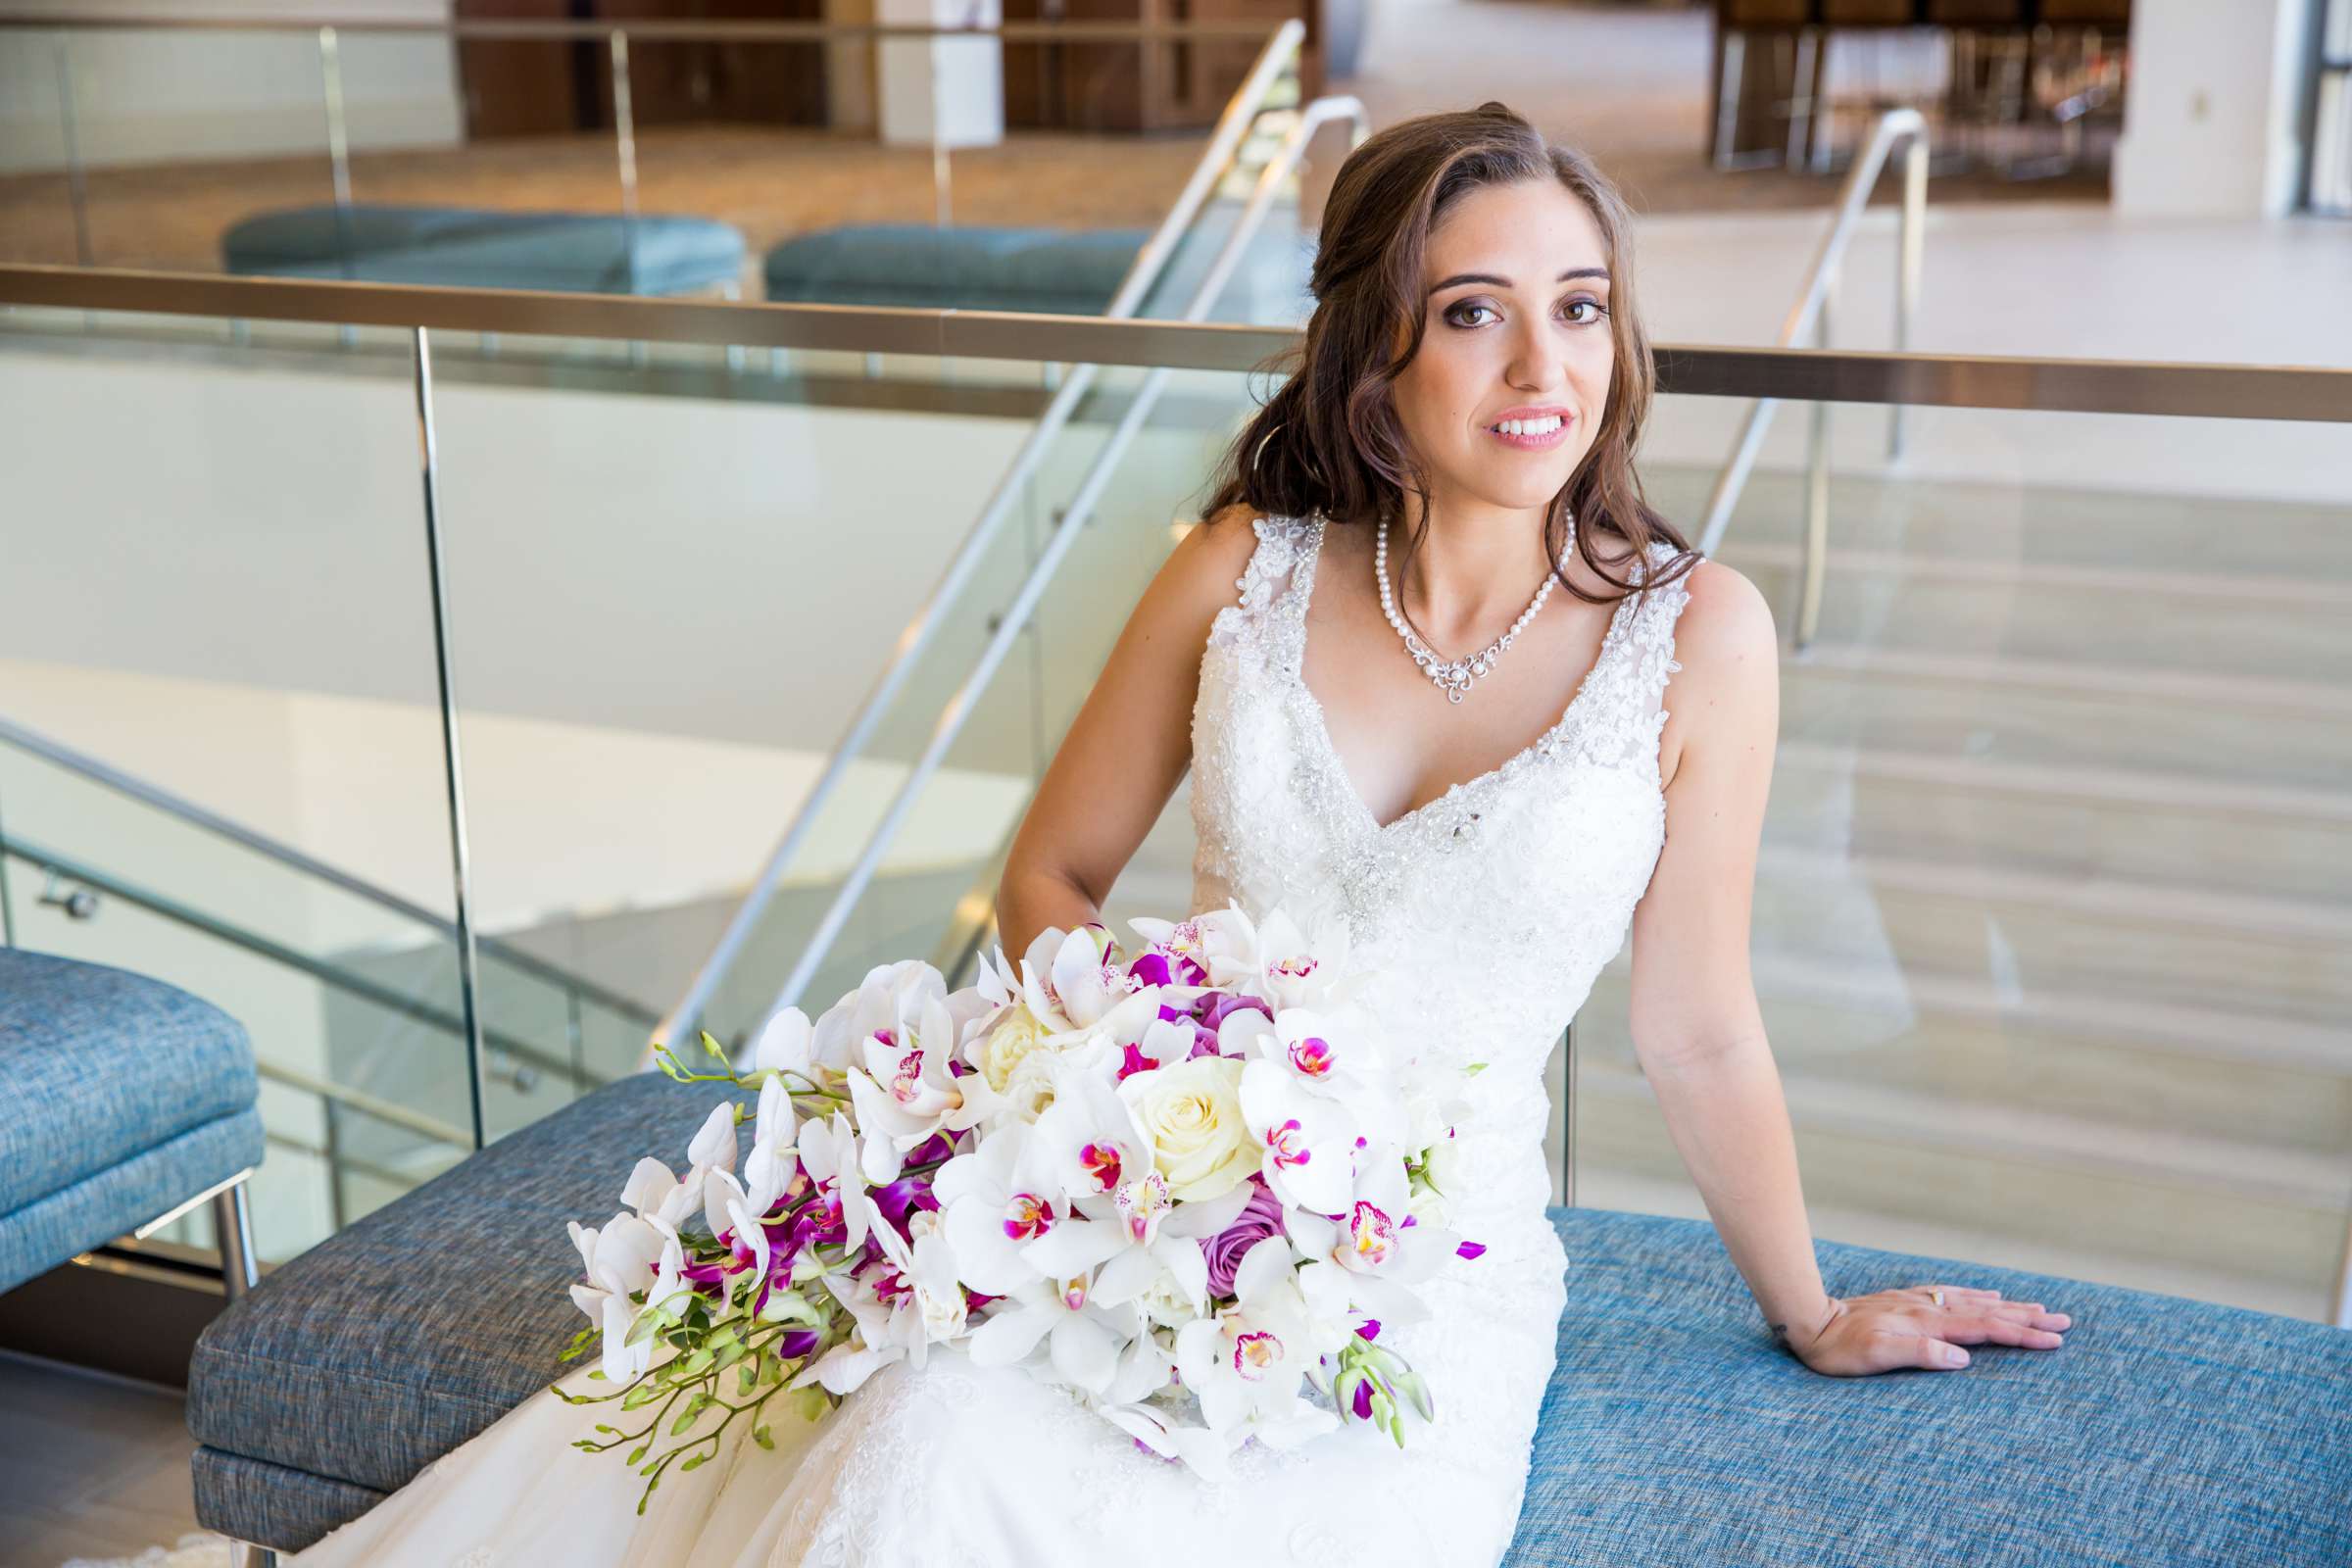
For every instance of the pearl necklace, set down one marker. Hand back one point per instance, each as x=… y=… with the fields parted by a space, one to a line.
x=1453 y=677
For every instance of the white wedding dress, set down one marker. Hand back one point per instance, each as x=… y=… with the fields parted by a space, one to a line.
x=1489 y=910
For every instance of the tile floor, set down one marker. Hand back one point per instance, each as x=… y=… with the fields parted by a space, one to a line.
x=90 y=1467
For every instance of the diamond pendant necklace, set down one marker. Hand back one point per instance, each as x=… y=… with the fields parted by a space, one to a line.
x=1453 y=677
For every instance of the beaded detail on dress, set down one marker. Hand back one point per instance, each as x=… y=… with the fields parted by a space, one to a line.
x=1490 y=910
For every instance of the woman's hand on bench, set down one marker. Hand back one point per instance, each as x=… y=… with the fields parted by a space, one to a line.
x=1886 y=1331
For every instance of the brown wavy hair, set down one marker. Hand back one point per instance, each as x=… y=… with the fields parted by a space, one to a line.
x=1329 y=439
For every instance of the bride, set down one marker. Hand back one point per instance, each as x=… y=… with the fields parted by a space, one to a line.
x=1416 y=659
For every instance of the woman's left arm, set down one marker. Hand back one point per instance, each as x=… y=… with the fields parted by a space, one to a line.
x=1699 y=1032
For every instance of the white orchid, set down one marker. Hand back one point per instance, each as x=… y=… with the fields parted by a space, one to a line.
x=1008 y=1219
x=1083 y=1338
x=1088 y=1135
x=1205 y=1452
x=1290 y=963
x=889 y=996
x=903 y=1089
x=924 y=1301
x=619 y=1258
x=786 y=1044
x=1376 y=1239
x=768 y=1169
x=1161 y=1258
x=1247 y=1363
x=714 y=1144
x=1081 y=980
x=829 y=1154
x=657 y=1193
x=1306 y=1140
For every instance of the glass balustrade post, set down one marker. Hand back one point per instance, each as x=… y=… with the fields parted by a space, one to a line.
x=76 y=185
x=452 y=768
x=625 y=147
x=1817 y=492
x=338 y=157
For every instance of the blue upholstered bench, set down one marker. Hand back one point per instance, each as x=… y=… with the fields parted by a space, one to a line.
x=2165 y=1432
x=128 y=1100
x=1050 y=270
x=459 y=247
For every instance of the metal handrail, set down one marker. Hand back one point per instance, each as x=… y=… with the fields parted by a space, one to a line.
x=147 y=793
x=1809 y=318
x=1278 y=56
x=1057 y=545
x=277 y=952
x=2308 y=393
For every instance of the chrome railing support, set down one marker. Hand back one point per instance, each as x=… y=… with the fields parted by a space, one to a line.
x=1908 y=278
x=1893 y=126
x=624 y=144
x=2339 y=1311
x=1276 y=56
x=338 y=158
x=69 y=123
x=453 y=772
x=1065 y=532
x=1815 y=565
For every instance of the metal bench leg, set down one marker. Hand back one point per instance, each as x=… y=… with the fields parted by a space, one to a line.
x=233 y=1224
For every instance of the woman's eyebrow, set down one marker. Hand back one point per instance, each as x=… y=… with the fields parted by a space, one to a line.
x=1460 y=279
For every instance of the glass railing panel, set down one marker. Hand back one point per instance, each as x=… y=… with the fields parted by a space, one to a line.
x=164 y=124
x=2051 y=923
x=217 y=585
x=960 y=818
x=683 y=167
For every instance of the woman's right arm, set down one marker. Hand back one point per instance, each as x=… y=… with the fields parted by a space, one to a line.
x=1128 y=748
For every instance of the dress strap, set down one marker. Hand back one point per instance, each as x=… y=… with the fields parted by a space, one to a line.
x=1651 y=634
x=1273 y=586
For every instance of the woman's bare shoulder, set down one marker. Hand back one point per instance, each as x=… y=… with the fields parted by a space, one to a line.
x=1725 y=621
x=1204 y=571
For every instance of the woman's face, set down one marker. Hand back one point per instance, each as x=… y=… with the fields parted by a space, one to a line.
x=1516 y=294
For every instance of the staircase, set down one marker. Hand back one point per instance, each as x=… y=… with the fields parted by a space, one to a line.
x=2053 y=918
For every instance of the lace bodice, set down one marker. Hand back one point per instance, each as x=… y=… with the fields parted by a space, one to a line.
x=1492 y=908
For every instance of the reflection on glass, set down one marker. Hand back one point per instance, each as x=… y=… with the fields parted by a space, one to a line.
x=2050 y=921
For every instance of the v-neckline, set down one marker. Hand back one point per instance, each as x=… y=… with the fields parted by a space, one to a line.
x=1301 y=592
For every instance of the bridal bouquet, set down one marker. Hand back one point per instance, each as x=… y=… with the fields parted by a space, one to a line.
x=1191 y=1186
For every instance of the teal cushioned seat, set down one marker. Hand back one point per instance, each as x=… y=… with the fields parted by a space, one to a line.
x=456 y=247
x=1062 y=273
x=126 y=1097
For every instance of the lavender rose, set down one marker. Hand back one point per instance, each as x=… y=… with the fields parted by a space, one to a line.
x=1260 y=1219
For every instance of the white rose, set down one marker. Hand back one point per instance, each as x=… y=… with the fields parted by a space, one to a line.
x=1030 y=1085
x=1192 y=1112
x=1012 y=1037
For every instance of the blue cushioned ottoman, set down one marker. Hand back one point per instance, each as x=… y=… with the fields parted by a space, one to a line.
x=127 y=1097
x=2164 y=1431
x=459 y=247
x=1050 y=270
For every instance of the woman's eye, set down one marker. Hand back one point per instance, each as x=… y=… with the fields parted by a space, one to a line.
x=1597 y=308
x=1454 y=314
